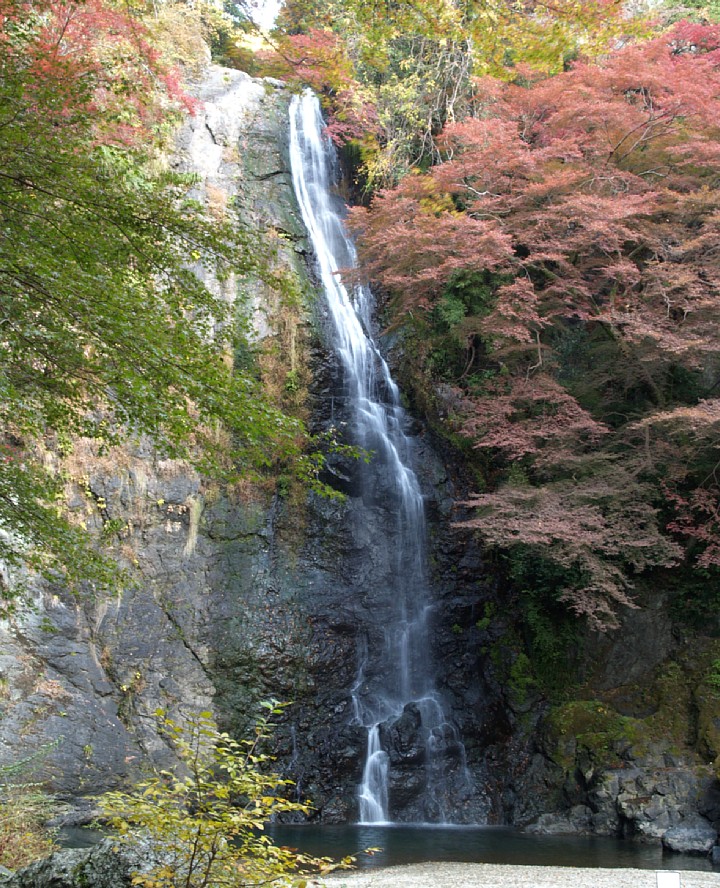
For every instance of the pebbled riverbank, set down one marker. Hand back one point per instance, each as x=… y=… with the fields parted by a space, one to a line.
x=489 y=875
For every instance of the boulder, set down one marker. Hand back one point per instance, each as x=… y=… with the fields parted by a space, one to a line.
x=692 y=836
x=576 y=821
x=104 y=866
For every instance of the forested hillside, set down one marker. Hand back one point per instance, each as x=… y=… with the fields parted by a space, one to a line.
x=540 y=221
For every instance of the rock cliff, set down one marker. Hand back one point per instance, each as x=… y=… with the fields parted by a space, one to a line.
x=246 y=594
x=238 y=595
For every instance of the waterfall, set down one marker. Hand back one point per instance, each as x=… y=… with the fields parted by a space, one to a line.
x=394 y=693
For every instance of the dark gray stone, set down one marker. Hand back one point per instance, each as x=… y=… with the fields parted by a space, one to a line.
x=692 y=836
x=577 y=821
x=710 y=802
x=100 y=867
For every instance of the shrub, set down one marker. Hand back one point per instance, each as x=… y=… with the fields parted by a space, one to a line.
x=207 y=819
x=23 y=834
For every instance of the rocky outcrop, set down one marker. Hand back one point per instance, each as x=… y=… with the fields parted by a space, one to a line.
x=630 y=758
x=81 y=677
x=107 y=865
x=693 y=836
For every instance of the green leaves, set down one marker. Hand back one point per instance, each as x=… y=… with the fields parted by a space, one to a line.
x=106 y=331
x=207 y=819
x=417 y=61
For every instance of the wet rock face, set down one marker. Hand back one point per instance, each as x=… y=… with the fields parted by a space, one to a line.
x=344 y=559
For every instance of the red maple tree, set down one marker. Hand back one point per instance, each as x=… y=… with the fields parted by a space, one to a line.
x=590 y=200
x=318 y=59
x=86 y=64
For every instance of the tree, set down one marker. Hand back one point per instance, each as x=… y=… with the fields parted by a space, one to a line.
x=415 y=62
x=319 y=60
x=566 y=243
x=105 y=330
x=207 y=820
x=500 y=33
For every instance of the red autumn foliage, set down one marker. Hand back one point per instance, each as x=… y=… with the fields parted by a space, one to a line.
x=693 y=432
x=529 y=415
x=595 y=531
x=418 y=243
x=319 y=60
x=698 y=517
x=590 y=198
x=594 y=186
x=87 y=61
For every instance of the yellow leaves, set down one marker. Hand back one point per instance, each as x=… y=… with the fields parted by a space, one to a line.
x=501 y=33
x=206 y=838
x=437 y=204
x=162 y=878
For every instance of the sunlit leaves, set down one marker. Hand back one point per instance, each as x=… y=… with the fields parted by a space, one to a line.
x=415 y=61
x=320 y=60
x=206 y=820
x=106 y=332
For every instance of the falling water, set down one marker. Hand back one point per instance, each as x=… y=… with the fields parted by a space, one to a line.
x=394 y=677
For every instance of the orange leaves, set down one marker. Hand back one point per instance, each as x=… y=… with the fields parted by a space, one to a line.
x=412 y=243
x=595 y=532
x=319 y=59
x=87 y=65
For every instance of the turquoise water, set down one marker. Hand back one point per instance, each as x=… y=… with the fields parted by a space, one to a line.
x=412 y=844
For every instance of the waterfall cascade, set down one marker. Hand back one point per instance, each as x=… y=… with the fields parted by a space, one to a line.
x=394 y=689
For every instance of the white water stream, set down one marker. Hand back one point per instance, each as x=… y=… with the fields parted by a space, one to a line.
x=398 y=672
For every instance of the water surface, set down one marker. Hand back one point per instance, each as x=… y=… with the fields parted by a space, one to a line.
x=402 y=844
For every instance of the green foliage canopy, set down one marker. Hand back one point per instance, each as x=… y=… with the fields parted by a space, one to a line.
x=106 y=331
